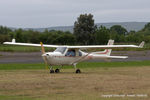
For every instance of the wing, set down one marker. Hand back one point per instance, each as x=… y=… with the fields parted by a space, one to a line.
x=108 y=46
x=78 y=47
x=29 y=44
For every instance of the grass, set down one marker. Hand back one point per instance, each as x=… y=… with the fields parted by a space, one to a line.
x=91 y=84
x=32 y=82
x=5 y=97
x=80 y=65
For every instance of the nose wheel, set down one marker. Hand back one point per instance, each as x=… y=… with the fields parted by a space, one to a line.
x=54 y=71
x=51 y=71
x=78 y=71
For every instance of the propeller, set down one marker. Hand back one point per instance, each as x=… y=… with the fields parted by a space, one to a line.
x=44 y=55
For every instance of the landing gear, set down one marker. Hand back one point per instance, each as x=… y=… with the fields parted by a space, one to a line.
x=78 y=71
x=57 y=70
x=54 y=71
x=51 y=71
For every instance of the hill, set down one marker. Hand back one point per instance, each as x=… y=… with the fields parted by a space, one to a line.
x=128 y=25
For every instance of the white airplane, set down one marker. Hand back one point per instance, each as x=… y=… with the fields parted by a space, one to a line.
x=72 y=55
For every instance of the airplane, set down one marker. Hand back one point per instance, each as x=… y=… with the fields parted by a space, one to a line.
x=72 y=55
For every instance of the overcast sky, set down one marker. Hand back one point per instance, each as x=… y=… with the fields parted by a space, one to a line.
x=47 y=13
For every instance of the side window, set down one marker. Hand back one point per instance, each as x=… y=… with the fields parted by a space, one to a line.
x=80 y=53
x=70 y=53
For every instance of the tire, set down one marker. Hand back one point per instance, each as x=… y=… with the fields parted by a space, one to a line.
x=57 y=71
x=78 y=71
x=51 y=71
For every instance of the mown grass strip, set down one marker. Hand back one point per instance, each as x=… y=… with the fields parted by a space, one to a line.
x=21 y=66
x=114 y=64
x=80 y=65
x=7 y=97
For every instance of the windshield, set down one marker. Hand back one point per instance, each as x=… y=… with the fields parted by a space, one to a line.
x=60 y=49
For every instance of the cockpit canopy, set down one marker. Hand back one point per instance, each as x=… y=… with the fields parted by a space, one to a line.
x=69 y=52
x=61 y=49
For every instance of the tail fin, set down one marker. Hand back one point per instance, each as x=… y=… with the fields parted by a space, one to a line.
x=106 y=51
x=110 y=42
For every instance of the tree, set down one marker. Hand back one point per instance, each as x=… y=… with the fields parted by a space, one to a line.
x=118 y=29
x=33 y=36
x=102 y=35
x=4 y=30
x=146 y=27
x=84 y=29
x=18 y=35
x=4 y=38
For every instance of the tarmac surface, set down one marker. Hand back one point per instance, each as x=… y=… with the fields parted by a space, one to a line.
x=35 y=57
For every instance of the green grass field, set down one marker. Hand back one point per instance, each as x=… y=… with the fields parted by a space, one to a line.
x=81 y=65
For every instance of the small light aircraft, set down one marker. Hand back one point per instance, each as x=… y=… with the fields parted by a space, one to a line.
x=72 y=55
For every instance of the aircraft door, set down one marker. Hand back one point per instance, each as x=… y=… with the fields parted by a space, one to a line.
x=71 y=53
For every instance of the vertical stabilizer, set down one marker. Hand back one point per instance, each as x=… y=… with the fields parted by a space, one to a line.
x=110 y=42
x=106 y=51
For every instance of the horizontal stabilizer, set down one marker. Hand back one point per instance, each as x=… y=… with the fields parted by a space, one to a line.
x=118 y=57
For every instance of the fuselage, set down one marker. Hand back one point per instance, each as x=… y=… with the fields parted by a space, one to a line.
x=62 y=57
x=56 y=58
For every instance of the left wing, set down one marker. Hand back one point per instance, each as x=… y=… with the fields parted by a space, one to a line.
x=108 y=46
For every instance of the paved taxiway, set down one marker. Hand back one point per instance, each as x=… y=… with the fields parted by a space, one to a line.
x=35 y=57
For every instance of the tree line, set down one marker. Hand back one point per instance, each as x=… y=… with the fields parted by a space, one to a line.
x=85 y=33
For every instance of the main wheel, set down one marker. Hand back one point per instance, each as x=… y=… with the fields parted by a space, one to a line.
x=57 y=71
x=51 y=71
x=78 y=71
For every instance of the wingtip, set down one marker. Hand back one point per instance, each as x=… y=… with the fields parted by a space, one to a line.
x=141 y=44
x=4 y=43
x=13 y=40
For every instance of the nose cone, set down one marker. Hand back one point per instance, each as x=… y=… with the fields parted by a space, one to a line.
x=45 y=55
x=48 y=54
x=51 y=54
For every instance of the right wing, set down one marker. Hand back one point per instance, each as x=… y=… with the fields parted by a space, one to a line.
x=29 y=44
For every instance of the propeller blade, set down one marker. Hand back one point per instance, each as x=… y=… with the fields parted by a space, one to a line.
x=42 y=48
x=45 y=61
x=44 y=56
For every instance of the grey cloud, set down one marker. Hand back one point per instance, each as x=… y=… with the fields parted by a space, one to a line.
x=45 y=13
